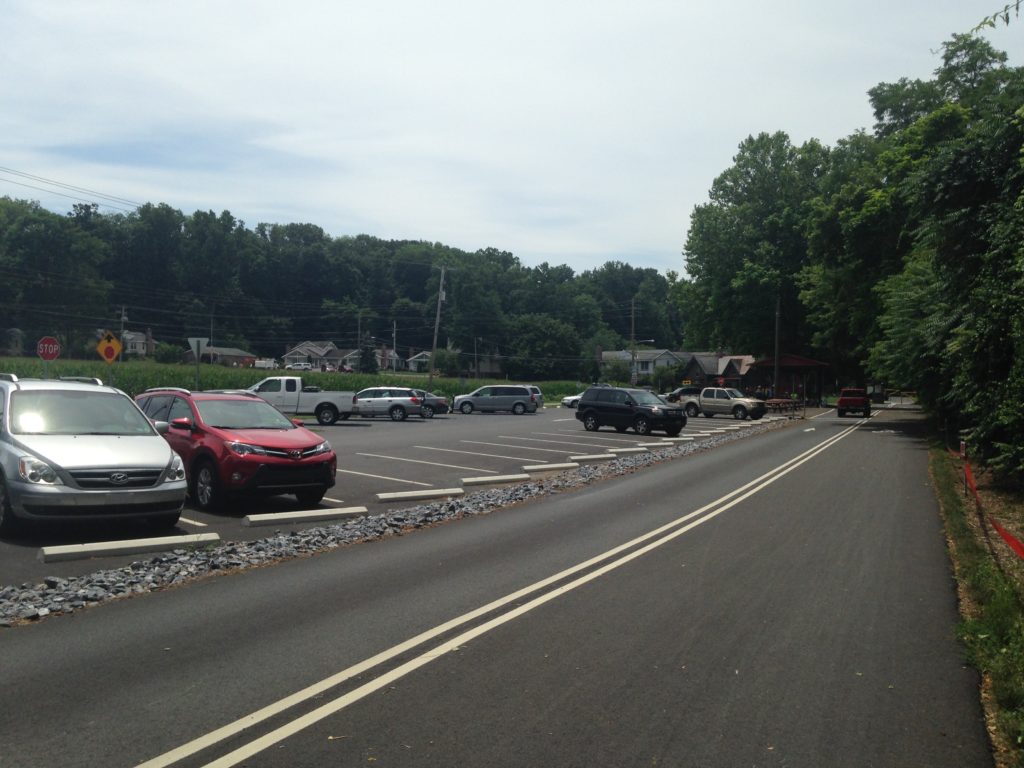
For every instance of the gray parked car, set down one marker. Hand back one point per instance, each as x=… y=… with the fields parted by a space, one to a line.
x=516 y=398
x=77 y=450
x=398 y=403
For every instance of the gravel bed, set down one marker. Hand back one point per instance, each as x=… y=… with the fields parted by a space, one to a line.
x=59 y=596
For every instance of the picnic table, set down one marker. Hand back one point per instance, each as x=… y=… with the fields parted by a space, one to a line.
x=781 y=404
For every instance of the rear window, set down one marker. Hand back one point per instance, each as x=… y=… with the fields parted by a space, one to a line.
x=853 y=393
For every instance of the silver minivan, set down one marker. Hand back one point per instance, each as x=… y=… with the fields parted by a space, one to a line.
x=78 y=450
x=498 y=397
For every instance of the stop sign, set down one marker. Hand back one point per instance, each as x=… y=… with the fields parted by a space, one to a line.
x=48 y=348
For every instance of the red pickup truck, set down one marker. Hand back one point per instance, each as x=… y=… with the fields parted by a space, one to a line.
x=853 y=400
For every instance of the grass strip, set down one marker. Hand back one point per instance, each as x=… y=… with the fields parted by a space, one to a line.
x=992 y=625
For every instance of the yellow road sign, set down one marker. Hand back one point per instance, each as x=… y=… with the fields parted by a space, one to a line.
x=109 y=347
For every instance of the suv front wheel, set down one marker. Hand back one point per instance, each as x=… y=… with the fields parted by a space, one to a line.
x=590 y=422
x=206 y=487
x=642 y=425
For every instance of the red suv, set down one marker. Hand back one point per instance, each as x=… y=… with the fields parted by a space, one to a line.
x=236 y=444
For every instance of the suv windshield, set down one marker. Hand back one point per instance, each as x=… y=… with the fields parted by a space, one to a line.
x=242 y=414
x=73 y=412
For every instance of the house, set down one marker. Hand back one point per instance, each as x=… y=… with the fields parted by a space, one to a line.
x=419 y=362
x=316 y=353
x=642 y=361
x=138 y=343
x=222 y=356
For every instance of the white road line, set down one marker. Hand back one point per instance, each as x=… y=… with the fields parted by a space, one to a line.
x=383 y=477
x=473 y=453
x=523 y=447
x=667 y=532
x=417 y=461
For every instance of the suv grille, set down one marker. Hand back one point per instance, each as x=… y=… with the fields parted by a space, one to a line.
x=112 y=479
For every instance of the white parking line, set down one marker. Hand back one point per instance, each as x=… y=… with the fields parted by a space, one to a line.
x=189 y=521
x=417 y=461
x=472 y=453
x=523 y=447
x=384 y=477
x=538 y=440
x=334 y=501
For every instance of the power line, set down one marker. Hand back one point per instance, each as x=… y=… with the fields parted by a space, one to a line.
x=70 y=187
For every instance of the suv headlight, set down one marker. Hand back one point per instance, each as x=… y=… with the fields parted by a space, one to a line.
x=32 y=470
x=324 y=447
x=245 y=449
x=176 y=471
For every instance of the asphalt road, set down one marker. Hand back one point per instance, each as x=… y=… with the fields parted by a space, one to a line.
x=780 y=601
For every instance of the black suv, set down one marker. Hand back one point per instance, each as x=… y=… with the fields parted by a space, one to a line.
x=624 y=408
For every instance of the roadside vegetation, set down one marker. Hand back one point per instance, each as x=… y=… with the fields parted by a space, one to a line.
x=990 y=579
x=135 y=376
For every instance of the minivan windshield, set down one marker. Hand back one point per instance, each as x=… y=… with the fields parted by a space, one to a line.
x=75 y=412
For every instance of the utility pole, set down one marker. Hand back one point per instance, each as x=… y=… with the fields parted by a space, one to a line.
x=437 y=324
x=394 y=345
x=124 y=319
x=778 y=315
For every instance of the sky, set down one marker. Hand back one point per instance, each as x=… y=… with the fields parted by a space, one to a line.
x=571 y=132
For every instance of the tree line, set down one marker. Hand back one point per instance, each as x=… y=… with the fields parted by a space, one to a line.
x=894 y=256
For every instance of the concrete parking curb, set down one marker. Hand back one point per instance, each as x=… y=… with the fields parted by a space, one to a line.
x=627 y=450
x=593 y=457
x=494 y=479
x=65 y=552
x=434 y=493
x=550 y=467
x=302 y=516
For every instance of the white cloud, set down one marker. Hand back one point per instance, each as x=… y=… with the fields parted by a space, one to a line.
x=571 y=132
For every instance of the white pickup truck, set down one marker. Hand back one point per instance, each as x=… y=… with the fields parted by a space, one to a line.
x=289 y=395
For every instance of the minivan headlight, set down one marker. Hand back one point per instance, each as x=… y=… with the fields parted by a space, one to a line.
x=176 y=471
x=32 y=470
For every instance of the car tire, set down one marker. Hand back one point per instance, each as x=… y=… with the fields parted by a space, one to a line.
x=206 y=491
x=427 y=412
x=397 y=413
x=642 y=425
x=692 y=410
x=518 y=409
x=841 y=412
x=8 y=522
x=755 y=418
x=867 y=413
x=674 y=431
x=310 y=498
x=708 y=415
x=590 y=422
x=326 y=414
x=739 y=413
x=466 y=408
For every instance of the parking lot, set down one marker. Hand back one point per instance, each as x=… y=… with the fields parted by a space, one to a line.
x=380 y=463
